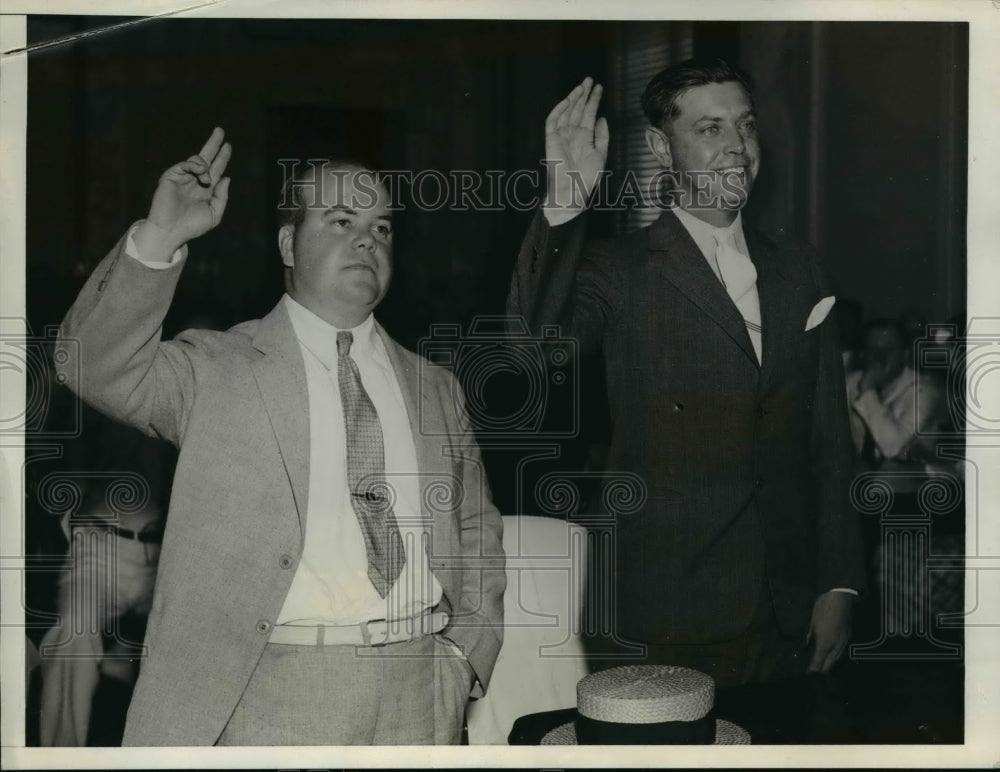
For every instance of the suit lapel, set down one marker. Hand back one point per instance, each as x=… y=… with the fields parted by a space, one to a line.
x=683 y=265
x=281 y=379
x=423 y=410
x=775 y=291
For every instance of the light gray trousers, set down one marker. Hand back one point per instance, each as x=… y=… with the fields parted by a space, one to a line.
x=409 y=693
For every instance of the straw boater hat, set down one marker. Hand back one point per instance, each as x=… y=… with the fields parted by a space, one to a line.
x=646 y=705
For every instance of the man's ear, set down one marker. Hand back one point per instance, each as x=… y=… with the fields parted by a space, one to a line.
x=659 y=146
x=286 y=240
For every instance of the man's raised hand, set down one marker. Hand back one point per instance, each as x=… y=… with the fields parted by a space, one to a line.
x=189 y=201
x=576 y=148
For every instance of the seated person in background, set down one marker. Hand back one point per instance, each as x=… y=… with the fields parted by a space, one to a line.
x=111 y=571
x=890 y=403
x=897 y=415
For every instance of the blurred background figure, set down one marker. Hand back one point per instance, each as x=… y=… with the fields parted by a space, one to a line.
x=900 y=419
x=106 y=590
x=891 y=404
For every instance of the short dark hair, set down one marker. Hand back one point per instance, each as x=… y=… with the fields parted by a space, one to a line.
x=659 y=100
x=292 y=204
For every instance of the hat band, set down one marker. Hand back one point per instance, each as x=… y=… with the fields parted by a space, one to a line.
x=701 y=731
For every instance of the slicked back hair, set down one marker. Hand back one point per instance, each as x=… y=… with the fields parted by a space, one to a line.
x=659 y=100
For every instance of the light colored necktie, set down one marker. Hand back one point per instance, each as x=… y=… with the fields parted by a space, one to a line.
x=740 y=279
x=370 y=495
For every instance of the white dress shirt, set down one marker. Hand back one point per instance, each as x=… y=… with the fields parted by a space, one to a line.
x=331 y=584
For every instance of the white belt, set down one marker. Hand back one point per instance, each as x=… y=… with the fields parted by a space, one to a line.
x=374 y=632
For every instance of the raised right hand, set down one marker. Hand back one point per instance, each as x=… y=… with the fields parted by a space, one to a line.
x=189 y=200
x=576 y=148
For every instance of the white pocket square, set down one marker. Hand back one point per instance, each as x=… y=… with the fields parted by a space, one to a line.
x=819 y=312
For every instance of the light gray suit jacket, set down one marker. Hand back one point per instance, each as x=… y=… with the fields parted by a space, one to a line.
x=236 y=404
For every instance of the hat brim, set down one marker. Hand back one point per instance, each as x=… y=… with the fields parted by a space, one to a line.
x=726 y=733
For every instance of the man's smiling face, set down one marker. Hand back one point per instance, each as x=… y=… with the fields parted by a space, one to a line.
x=714 y=131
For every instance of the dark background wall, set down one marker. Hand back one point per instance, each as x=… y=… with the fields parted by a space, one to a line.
x=864 y=128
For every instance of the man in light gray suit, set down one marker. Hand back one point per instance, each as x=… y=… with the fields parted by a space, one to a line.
x=329 y=574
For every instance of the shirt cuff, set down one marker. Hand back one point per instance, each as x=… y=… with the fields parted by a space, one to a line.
x=133 y=251
x=845 y=589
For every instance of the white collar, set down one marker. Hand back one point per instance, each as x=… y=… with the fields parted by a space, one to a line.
x=320 y=337
x=702 y=232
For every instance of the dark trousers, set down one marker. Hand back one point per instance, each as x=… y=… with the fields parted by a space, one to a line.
x=760 y=653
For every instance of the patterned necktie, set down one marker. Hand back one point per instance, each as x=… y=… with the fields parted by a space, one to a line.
x=366 y=474
x=740 y=279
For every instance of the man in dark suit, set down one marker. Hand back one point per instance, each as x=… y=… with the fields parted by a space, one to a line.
x=329 y=574
x=724 y=384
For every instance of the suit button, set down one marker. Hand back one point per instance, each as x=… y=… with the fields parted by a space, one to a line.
x=759 y=482
x=263 y=626
x=678 y=407
x=761 y=412
x=286 y=561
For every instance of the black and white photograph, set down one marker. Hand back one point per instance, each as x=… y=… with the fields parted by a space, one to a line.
x=499 y=380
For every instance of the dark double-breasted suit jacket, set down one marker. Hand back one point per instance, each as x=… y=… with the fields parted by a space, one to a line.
x=746 y=466
x=236 y=404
